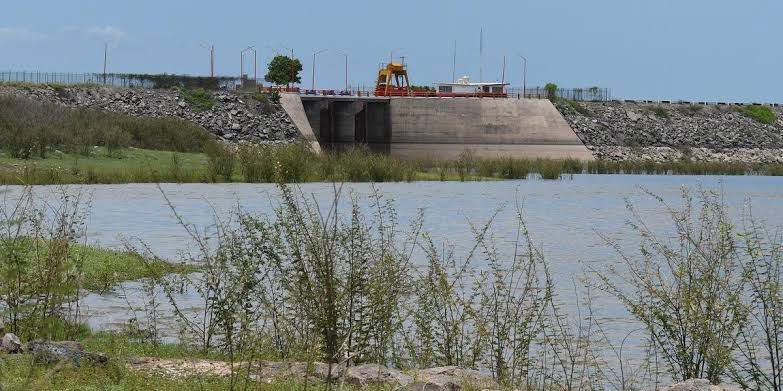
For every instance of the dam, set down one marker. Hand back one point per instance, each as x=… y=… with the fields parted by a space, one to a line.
x=436 y=127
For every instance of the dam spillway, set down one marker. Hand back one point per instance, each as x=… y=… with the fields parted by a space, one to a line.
x=437 y=128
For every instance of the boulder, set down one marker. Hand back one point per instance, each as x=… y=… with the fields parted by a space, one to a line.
x=696 y=385
x=298 y=371
x=451 y=379
x=11 y=344
x=374 y=374
x=46 y=352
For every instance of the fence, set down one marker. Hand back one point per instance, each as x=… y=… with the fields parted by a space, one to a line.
x=120 y=79
x=231 y=82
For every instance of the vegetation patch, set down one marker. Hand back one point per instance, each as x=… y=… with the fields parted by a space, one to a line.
x=762 y=114
x=660 y=112
x=199 y=99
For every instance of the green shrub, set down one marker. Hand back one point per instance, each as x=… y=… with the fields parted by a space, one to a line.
x=551 y=90
x=220 y=161
x=28 y=127
x=762 y=114
x=199 y=99
x=660 y=112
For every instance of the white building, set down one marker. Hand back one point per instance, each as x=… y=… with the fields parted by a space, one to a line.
x=463 y=87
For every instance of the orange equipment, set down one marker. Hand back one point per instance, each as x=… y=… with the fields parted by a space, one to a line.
x=392 y=81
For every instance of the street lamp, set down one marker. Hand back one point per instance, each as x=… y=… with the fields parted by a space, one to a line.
x=346 y=68
x=315 y=54
x=211 y=57
x=524 y=75
x=255 y=62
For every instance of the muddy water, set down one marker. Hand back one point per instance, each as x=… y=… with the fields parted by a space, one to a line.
x=566 y=219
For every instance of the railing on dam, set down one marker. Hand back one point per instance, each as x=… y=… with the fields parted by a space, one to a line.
x=578 y=94
x=232 y=83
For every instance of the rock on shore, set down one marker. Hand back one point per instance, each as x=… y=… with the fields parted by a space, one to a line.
x=628 y=131
x=234 y=118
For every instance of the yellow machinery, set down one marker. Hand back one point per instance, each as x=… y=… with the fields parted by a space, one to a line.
x=392 y=81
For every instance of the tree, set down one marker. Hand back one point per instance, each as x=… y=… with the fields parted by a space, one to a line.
x=284 y=70
x=551 y=90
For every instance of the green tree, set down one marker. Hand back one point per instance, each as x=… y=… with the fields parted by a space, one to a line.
x=551 y=90
x=284 y=70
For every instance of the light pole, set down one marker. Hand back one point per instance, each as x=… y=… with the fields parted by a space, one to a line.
x=524 y=75
x=315 y=54
x=255 y=62
x=211 y=58
x=345 y=54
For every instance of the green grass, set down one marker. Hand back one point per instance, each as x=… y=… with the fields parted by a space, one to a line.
x=762 y=114
x=125 y=166
x=102 y=268
x=660 y=112
x=19 y=372
x=199 y=99
x=105 y=268
x=296 y=164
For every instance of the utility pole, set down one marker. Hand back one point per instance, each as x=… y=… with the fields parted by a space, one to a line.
x=481 y=55
x=503 y=77
x=211 y=58
x=105 y=59
x=454 y=64
x=212 y=61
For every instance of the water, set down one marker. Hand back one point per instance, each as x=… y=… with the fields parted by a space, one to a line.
x=565 y=218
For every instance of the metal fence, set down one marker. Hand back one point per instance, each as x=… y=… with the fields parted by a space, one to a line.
x=117 y=79
x=232 y=82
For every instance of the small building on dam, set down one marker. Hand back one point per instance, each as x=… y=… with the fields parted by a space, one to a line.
x=436 y=127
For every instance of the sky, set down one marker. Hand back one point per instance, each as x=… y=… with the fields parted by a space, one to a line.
x=716 y=50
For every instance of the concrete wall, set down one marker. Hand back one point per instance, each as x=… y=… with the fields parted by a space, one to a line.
x=442 y=128
x=292 y=104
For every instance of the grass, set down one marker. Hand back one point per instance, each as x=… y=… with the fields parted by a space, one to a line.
x=296 y=164
x=762 y=114
x=660 y=112
x=105 y=268
x=199 y=99
x=19 y=372
x=128 y=166
x=102 y=268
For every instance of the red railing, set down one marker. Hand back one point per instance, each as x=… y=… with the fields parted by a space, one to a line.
x=509 y=93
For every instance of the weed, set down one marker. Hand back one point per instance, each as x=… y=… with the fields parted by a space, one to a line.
x=762 y=114
x=199 y=99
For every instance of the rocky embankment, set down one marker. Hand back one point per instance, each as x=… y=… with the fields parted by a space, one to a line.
x=234 y=118
x=632 y=131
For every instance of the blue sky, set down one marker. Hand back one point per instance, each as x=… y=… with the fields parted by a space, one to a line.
x=664 y=49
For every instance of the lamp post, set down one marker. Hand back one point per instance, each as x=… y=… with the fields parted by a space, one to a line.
x=255 y=62
x=315 y=54
x=524 y=75
x=211 y=49
x=345 y=54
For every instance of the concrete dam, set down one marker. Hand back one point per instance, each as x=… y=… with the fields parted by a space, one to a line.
x=436 y=128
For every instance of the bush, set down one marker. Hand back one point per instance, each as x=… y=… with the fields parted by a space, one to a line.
x=220 y=161
x=28 y=127
x=551 y=90
x=199 y=99
x=687 y=293
x=660 y=112
x=762 y=114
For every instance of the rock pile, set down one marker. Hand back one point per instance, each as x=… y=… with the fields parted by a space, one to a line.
x=234 y=118
x=622 y=131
